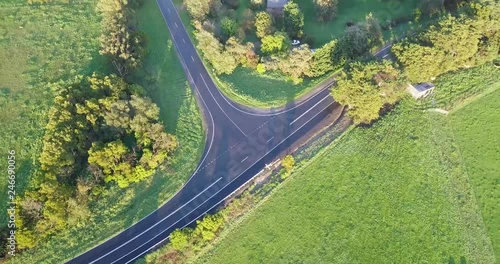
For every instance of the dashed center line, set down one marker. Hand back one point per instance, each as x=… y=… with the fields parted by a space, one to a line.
x=244 y=159
x=176 y=24
x=385 y=56
x=183 y=40
x=192 y=58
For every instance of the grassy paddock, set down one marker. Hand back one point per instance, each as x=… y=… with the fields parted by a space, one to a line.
x=476 y=129
x=38 y=45
x=413 y=188
x=118 y=208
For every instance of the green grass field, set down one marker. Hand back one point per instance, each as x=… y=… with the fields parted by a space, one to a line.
x=38 y=45
x=476 y=129
x=417 y=187
x=250 y=88
x=117 y=209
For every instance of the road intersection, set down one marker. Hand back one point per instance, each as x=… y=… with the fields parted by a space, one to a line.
x=240 y=141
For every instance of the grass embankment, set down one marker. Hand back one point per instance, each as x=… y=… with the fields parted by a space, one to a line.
x=38 y=45
x=410 y=189
x=119 y=208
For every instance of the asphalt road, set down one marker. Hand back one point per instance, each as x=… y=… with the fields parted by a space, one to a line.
x=240 y=141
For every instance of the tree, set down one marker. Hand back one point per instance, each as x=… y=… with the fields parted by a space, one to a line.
x=120 y=42
x=248 y=20
x=293 y=19
x=239 y=51
x=354 y=42
x=366 y=88
x=275 y=44
x=326 y=10
x=373 y=30
x=457 y=39
x=198 y=9
x=208 y=226
x=321 y=61
x=297 y=64
x=179 y=239
x=263 y=24
x=228 y=26
x=466 y=40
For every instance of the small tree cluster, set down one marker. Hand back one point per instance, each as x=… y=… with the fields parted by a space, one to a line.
x=469 y=39
x=119 y=41
x=293 y=20
x=198 y=9
x=225 y=59
x=366 y=87
x=100 y=130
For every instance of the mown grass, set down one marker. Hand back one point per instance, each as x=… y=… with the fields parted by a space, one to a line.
x=476 y=129
x=38 y=45
x=456 y=88
x=117 y=208
x=247 y=87
x=401 y=191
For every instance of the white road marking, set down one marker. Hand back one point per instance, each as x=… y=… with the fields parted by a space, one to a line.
x=309 y=110
x=206 y=85
x=378 y=52
x=244 y=159
x=385 y=56
x=183 y=40
x=168 y=9
x=176 y=24
x=157 y=223
x=192 y=58
x=270 y=139
x=210 y=146
x=225 y=187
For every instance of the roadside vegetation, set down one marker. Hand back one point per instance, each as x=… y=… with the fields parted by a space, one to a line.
x=466 y=39
x=97 y=199
x=286 y=52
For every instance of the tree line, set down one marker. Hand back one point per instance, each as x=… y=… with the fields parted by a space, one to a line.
x=469 y=38
x=101 y=130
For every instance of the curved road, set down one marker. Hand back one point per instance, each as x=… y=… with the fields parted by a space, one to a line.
x=240 y=142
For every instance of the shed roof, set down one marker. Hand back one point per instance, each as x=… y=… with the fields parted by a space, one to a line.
x=276 y=3
x=422 y=87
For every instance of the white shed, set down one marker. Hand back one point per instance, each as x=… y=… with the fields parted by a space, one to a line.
x=420 y=90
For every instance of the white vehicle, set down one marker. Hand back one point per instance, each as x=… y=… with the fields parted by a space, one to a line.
x=295 y=42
